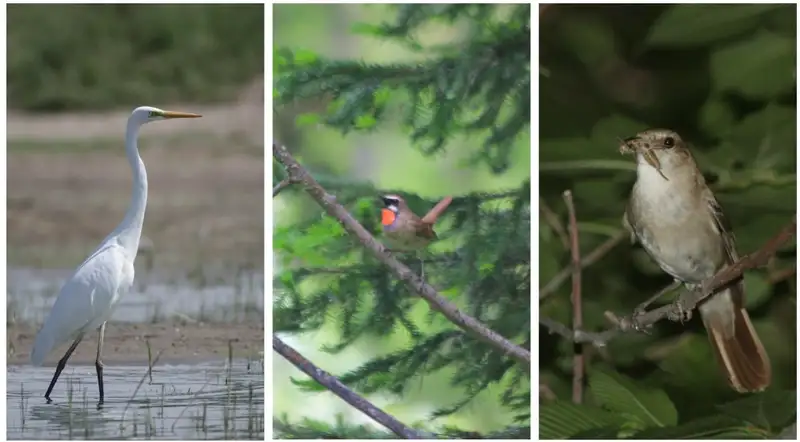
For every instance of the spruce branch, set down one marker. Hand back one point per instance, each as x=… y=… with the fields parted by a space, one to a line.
x=339 y=389
x=686 y=302
x=300 y=175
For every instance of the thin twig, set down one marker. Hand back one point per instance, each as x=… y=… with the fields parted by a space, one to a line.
x=588 y=260
x=551 y=219
x=780 y=275
x=417 y=285
x=280 y=186
x=686 y=302
x=578 y=361
x=339 y=389
x=598 y=340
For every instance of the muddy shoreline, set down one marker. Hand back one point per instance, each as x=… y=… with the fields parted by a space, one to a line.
x=127 y=343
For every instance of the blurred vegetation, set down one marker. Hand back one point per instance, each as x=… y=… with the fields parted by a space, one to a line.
x=66 y=57
x=724 y=78
x=465 y=89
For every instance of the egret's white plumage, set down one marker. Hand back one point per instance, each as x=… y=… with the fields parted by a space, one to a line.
x=87 y=299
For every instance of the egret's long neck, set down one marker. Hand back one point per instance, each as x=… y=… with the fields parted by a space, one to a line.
x=129 y=230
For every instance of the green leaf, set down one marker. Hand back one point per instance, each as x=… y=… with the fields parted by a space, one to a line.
x=365 y=121
x=716 y=117
x=713 y=427
x=561 y=419
x=767 y=134
x=689 y=25
x=757 y=289
x=761 y=67
x=382 y=96
x=307 y=119
x=598 y=433
x=690 y=365
x=771 y=409
x=305 y=57
x=369 y=29
x=648 y=406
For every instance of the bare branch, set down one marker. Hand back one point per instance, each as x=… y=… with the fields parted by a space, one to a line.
x=578 y=361
x=590 y=259
x=780 y=275
x=551 y=219
x=298 y=174
x=339 y=389
x=280 y=186
x=687 y=301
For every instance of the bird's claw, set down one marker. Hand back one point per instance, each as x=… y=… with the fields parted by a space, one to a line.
x=679 y=313
x=635 y=324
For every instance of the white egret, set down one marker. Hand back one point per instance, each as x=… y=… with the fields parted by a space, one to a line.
x=88 y=298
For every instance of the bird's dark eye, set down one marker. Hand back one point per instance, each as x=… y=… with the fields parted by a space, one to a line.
x=153 y=114
x=669 y=141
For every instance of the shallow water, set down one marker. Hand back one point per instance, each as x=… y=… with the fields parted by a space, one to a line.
x=199 y=401
x=224 y=297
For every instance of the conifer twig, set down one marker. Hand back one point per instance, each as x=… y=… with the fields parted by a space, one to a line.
x=300 y=175
x=339 y=389
x=578 y=359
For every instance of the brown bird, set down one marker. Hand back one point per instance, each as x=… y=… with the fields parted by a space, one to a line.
x=674 y=215
x=403 y=229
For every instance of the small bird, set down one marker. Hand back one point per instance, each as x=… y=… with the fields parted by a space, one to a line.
x=403 y=229
x=674 y=215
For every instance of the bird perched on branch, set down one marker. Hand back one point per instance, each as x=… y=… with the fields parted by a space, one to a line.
x=674 y=215
x=403 y=229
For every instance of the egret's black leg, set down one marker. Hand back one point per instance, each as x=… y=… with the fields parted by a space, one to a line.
x=61 y=364
x=98 y=363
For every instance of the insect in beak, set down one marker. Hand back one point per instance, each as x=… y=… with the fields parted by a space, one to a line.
x=629 y=145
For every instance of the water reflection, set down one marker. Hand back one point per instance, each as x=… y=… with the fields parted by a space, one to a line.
x=183 y=401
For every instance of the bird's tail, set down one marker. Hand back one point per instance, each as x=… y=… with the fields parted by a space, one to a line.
x=736 y=345
x=437 y=210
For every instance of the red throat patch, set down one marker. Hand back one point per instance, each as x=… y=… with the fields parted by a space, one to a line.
x=387 y=217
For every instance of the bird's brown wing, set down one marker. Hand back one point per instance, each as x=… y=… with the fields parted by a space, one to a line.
x=424 y=229
x=722 y=226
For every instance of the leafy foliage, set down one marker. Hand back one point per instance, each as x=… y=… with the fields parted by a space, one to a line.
x=479 y=84
x=475 y=85
x=724 y=78
x=99 y=56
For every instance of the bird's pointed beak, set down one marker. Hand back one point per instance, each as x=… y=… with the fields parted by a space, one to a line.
x=172 y=114
x=631 y=145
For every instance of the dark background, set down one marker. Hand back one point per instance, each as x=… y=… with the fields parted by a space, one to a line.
x=724 y=78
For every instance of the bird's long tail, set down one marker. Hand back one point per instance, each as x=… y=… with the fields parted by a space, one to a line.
x=437 y=210
x=736 y=345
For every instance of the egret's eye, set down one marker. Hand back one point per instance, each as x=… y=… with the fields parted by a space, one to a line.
x=153 y=114
x=669 y=141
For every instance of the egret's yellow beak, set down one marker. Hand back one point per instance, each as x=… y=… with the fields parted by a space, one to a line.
x=171 y=114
